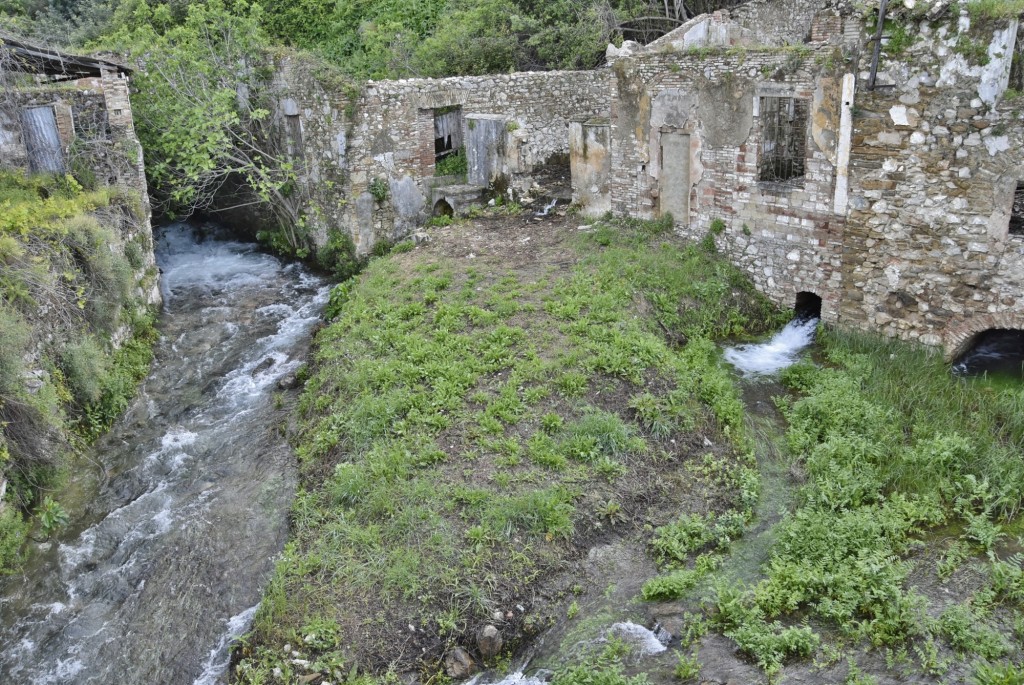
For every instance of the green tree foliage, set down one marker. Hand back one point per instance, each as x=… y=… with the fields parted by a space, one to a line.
x=399 y=38
x=202 y=107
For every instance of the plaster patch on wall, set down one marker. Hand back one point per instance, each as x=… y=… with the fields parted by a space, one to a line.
x=995 y=76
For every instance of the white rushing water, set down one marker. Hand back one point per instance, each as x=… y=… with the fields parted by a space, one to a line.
x=186 y=506
x=764 y=359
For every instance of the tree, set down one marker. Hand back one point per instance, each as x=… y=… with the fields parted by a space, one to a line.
x=203 y=108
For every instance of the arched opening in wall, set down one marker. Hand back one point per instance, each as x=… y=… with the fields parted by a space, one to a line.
x=807 y=306
x=996 y=351
x=442 y=208
x=1017 y=210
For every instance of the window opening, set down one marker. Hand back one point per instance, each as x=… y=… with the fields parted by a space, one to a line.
x=783 y=138
x=447 y=132
x=1017 y=212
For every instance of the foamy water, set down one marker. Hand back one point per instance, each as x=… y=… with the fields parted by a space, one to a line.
x=186 y=499
x=767 y=358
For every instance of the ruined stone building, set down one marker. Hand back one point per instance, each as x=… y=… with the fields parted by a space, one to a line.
x=889 y=196
x=62 y=113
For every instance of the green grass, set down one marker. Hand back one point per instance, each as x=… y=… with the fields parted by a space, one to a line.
x=995 y=9
x=892 y=446
x=461 y=422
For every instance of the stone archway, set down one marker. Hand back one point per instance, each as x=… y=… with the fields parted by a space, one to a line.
x=443 y=208
x=960 y=334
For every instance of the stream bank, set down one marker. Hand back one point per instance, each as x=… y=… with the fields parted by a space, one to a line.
x=179 y=511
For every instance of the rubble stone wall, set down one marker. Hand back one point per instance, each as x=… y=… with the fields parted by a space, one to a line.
x=927 y=252
x=784 y=235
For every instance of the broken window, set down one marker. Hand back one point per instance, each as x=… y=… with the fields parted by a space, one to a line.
x=1017 y=212
x=448 y=145
x=783 y=138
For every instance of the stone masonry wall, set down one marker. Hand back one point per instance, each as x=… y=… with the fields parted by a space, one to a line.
x=785 y=236
x=393 y=135
x=780 y=22
x=383 y=132
x=935 y=160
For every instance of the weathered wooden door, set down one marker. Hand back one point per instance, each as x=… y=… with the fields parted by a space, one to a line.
x=675 y=176
x=42 y=141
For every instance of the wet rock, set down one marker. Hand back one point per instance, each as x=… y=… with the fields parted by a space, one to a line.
x=459 y=664
x=288 y=382
x=263 y=366
x=489 y=641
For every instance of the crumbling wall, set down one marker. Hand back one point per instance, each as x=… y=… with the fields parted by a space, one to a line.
x=98 y=146
x=392 y=133
x=935 y=161
x=761 y=23
x=781 y=22
x=784 y=235
x=369 y=151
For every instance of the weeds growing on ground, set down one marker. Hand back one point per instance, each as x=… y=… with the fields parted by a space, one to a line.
x=465 y=428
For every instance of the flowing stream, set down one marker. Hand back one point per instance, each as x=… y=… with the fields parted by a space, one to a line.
x=784 y=348
x=179 y=511
x=996 y=352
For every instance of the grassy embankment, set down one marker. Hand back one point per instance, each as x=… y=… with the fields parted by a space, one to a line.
x=469 y=431
x=470 y=428
x=914 y=485
x=67 y=285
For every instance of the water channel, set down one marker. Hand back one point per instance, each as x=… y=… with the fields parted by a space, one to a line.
x=180 y=510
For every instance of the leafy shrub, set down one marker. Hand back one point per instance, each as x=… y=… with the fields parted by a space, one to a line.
x=671 y=586
x=85 y=364
x=338 y=256
x=453 y=165
x=13 y=530
x=998 y=674
x=599 y=675
x=378 y=188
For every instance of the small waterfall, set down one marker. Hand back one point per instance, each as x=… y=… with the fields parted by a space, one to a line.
x=764 y=359
x=548 y=207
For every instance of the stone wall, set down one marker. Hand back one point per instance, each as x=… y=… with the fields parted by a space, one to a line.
x=383 y=133
x=934 y=163
x=784 y=235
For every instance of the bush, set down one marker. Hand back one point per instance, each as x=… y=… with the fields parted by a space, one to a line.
x=85 y=364
x=453 y=165
x=338 y=256
x=13 y=530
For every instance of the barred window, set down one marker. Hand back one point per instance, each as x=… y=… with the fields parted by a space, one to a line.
x=783 y=138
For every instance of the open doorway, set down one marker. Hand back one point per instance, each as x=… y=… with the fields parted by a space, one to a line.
x=449 y=143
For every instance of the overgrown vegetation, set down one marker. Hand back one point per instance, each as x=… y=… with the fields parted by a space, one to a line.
x=468 y=427
x=892 y=447
x=65 y=291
